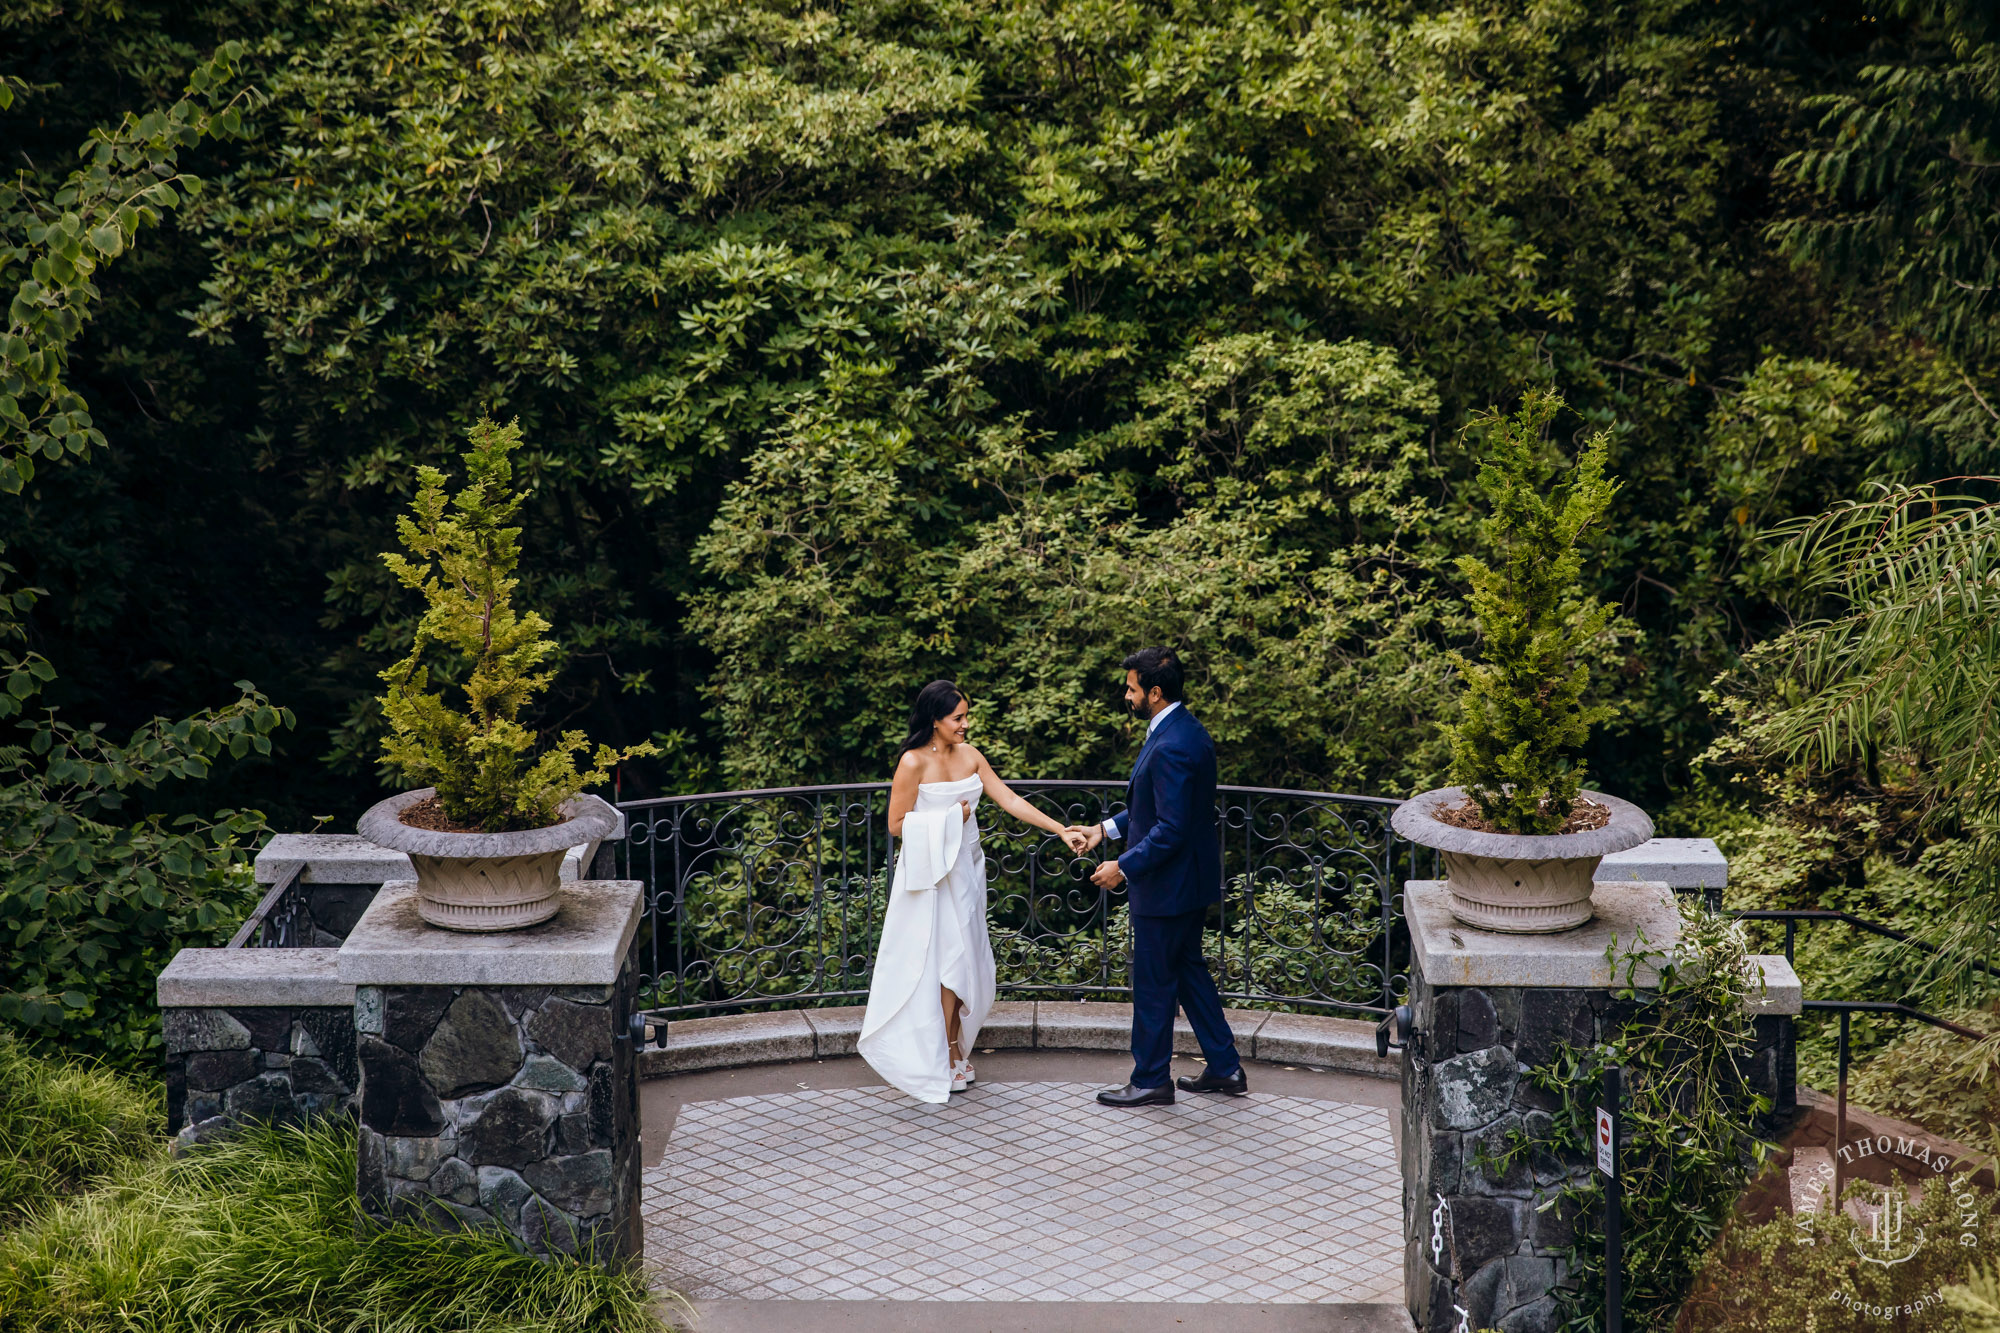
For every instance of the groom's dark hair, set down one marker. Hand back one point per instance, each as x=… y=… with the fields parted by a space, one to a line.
x=1157 y=666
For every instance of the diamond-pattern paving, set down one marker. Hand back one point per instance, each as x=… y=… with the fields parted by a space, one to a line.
x=1028 y=1192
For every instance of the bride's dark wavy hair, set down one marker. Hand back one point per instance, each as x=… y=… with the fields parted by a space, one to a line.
x=934 y=703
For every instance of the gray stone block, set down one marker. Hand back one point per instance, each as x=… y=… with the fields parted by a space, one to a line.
x=270 y=1029
x=722 y=1043
x=1324 y=1043
x=1480 y=1231
x=414 y=1158
x=368 y=1010
x=455 y=1180
x=511 y=1129
x=835 y=1031
x=473 y=1048
x=203 y=1030
x=573 y=1133
x=1551 y=1020
x=1780 y=992
x=337 y=908
x=1478 y=1026
x=1446 y=1149
x=1010 y=1026
x=224 y=978
x=1086 y=1025
x=216 y=1071
x=312 y=1077
x=1680 y=863
x=584 y=944
x=411 y=1014
x=582 y=1185
x=348 y=858
x=1543 y=1316
x=545 y=1074
x=1450 y=954
x=579 y=1035
x=329 y=858
x=1472 y=1091
x=1491 y=1164
x=267 y=1097
x=395 y=1097
x=501 y=1193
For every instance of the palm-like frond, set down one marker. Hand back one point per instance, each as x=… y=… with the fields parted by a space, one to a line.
x=1901 y=665
x=1909 y=662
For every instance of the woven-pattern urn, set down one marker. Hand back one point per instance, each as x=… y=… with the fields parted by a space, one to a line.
x=1515 y=883
x=487 y=881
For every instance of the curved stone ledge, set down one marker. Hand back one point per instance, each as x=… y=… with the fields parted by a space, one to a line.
x=696 y=1044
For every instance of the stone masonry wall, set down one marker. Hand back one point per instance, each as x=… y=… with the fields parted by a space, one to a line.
x=507 y=1105
x=225 y=1066
x=333 y=909
x=1481 y=1251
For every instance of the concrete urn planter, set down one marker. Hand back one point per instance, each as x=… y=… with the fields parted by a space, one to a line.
x=1519 y=884
x=487 y=881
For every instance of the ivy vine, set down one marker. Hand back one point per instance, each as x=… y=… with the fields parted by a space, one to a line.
x=1687 y=1145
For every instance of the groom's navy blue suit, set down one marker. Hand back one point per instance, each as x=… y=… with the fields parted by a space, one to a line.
x=1173 y=875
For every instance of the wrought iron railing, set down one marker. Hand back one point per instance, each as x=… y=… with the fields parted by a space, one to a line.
x=774 y=898
x=281 y=919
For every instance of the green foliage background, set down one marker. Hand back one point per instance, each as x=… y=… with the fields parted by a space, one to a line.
x=863 y=343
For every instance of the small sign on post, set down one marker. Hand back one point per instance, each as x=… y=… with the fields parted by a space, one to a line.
x=1614 y=1241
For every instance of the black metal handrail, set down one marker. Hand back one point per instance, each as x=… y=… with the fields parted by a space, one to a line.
x=1847 y=1009
x=773 y=896
x=1793 y=917
x=276 y=921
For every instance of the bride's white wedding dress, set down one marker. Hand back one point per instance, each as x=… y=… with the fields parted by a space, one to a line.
x=933 y=934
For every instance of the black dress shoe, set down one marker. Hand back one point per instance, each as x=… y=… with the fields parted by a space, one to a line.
x=1235 y=1085
x=1131 y=1096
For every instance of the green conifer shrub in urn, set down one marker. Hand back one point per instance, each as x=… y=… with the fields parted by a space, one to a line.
x=1520 y=837
x=488 y=830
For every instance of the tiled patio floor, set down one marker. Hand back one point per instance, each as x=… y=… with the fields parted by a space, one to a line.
x=1028 y=1191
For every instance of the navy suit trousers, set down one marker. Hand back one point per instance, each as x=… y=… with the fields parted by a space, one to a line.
x=1168 y=972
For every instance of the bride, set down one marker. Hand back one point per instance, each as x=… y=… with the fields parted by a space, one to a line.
x=934 y=940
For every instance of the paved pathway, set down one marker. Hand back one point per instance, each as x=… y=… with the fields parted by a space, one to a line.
x=1027 y=1191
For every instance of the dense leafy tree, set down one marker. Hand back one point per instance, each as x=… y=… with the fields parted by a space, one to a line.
x=867 y=343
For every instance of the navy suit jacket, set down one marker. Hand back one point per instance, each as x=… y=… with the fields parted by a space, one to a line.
x=1173 y=861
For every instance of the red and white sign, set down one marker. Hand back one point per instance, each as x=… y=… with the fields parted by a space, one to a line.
x=1605 y=1161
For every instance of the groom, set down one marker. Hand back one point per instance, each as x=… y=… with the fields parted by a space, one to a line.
x=1173 y=867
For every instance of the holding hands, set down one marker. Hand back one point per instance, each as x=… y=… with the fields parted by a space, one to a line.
x=1084 y=839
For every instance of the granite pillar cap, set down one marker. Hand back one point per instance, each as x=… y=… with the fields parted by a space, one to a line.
x=1451 y=954
x=583 y=944
x=252 y=978
x=1775 y=989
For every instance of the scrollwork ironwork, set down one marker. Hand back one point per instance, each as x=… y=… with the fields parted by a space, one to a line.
x=774 y=898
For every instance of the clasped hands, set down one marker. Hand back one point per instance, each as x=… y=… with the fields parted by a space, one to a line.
x=1081 y=839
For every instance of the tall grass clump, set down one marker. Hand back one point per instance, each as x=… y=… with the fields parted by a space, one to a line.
x=65 y=1122
x=259 y=1233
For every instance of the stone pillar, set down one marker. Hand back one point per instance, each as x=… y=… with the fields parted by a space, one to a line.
x=254 y=1034
x=498 y=1087
x=1485 y=1009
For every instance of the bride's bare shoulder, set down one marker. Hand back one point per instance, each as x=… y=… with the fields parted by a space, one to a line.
x=910 y=764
